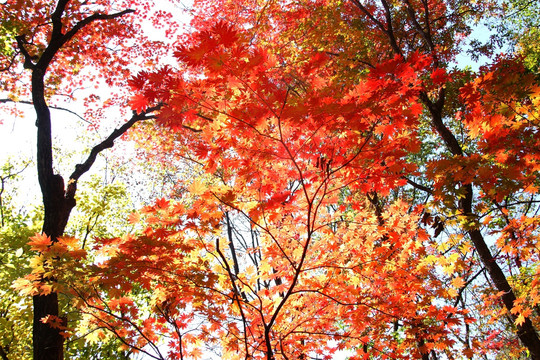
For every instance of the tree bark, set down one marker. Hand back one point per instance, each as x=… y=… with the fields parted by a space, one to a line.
x=526 y=332
x=58 y=198
x=48 y=343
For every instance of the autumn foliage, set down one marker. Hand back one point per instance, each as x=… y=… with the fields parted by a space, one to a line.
x=310 y=238
x=351 y=190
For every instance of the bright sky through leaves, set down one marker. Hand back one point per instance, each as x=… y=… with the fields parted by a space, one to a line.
x=328 y=182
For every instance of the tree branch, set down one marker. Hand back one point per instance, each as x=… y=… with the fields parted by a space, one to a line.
x=21 y=42
x=419 y=187
x=58 y=39
x=108 y=143
x=50 y=106
x=424 y=34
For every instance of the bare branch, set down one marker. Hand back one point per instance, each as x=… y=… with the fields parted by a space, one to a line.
x=108 y=143
x=419 y=186
x=26 y=102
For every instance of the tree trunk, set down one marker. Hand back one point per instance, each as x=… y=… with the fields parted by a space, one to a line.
x=526 y=332
x=48 y=343
x=58 y=198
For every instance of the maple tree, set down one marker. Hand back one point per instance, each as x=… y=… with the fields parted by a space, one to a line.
x=178 y=261
x=305 y=85
x=55 y=45
x=325 y=148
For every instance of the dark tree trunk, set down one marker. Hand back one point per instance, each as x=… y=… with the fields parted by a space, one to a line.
x=58 y=198
x=48 y=342
x=526 y=331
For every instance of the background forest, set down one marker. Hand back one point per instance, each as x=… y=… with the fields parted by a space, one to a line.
x=270 y=179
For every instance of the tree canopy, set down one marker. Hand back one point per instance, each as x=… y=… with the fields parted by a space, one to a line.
x=336 y=184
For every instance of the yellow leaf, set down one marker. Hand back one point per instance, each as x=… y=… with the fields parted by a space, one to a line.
x=520 y=320
x=449 y=269
x=197 y=188
x=297 y=253
x=265 y=268
x=458 y=282
x=355 y=280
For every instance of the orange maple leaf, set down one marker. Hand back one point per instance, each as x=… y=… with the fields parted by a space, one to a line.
x=39 y=242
